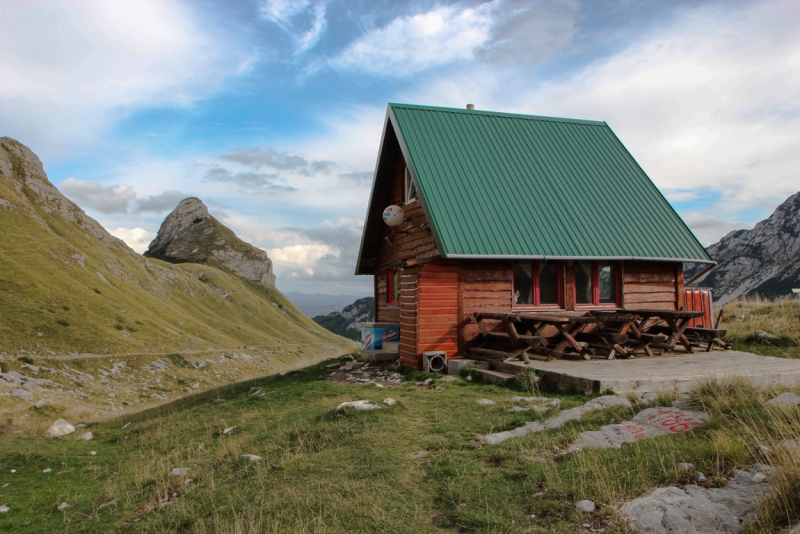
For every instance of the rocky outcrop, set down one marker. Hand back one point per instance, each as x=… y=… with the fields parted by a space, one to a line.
x=347 y=323
x=764 y=260
x=190 y=234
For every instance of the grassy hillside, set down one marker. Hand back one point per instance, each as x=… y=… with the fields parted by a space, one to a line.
x=744 y=318
x=66 y=285
x=416 y=467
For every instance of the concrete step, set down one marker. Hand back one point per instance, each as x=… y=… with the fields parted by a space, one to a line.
x=496 y=376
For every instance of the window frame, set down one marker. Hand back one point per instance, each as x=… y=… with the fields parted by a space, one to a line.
x=596 y=285
x=408 y=181
x=390 y=299
x=536 y=289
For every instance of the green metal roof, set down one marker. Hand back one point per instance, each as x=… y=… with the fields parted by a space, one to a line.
x=507 y=185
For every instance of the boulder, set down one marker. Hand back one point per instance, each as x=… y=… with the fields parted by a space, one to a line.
x=59 y=428
x=785 y=400
x=585 y=506
x=23 y=394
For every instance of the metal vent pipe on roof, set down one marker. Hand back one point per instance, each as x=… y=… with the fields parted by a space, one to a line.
x=470 y=107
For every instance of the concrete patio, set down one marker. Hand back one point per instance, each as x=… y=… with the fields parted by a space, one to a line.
x=674 y=372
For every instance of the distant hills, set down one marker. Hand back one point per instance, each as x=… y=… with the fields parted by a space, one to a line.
x=347 y=323
x=67 y=285
x=763 y=261
x=320 y=303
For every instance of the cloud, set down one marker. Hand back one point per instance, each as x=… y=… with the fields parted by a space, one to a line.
x=136 y=238
x=165 y=201
x=357 y=176
x=70 y=69
x=303 y=21
x=709 y=227
x=257 y=182
x=266 y=156
x=418 y=42
x=105 y=199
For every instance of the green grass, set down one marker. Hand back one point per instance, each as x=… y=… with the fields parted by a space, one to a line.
x=415 y=467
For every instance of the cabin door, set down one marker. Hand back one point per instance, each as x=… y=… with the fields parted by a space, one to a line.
x=408 y=318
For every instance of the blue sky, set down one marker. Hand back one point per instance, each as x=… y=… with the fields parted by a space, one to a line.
x=271 y=111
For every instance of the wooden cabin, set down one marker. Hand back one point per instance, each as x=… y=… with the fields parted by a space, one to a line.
x=507 y=212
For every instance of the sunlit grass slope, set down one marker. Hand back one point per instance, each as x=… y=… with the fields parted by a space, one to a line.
x=67 y=285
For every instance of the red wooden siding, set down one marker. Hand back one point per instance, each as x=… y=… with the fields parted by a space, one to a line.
x=700 y=300
x=437 y=318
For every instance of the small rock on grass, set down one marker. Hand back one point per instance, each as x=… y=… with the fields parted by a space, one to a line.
x=42 y=403
x=251 y=457
x=486 y=402
x=126 y=426
x=228 y=430
x=361 y=405
x=448 y=378
x=59 y=428
x=785 y=400
x=201 y=446
x=701 y=478
x=4 y=509
x=23 y=394
x=763 y=450
x=427 y=382
x=92 y=453
x=179 y=471
x=47 y=471
x=758 y=478
x=63 y=506
x=686 y=466
x=585 y=506
x=106 y=504
x=389 y=401
x=86 y=436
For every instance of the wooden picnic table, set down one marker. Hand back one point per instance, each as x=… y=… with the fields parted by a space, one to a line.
x=614 y=330
x=676 y=320
x=569 y=325
x=523 y=331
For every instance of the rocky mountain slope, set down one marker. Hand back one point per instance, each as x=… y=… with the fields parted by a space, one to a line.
x=764 y=260
x=191 y=234
x=347 y=323
x=68 y=286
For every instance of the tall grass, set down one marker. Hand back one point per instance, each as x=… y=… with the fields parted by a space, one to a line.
x=746 y=317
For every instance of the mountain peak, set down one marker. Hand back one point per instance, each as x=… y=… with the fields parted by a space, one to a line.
x=763 y=260
x=191 y=235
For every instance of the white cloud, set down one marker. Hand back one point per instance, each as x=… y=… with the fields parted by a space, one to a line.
x=136 y=238
x=301 y=255
x=418 y=42
x=105 y=199
x=303 y=20
x=70 y=68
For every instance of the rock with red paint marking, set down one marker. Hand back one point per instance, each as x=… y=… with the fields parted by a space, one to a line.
x=648 y=423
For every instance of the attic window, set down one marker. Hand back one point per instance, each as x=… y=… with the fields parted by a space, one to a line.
x=410 y=189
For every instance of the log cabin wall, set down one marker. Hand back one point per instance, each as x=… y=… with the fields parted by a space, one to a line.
x=485 y=286
x=652 y=285
x=412 y=240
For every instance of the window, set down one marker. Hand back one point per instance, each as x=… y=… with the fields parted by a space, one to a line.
x=392 y=286
x=410 y=189
x=537 y=283
x=596 y=283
